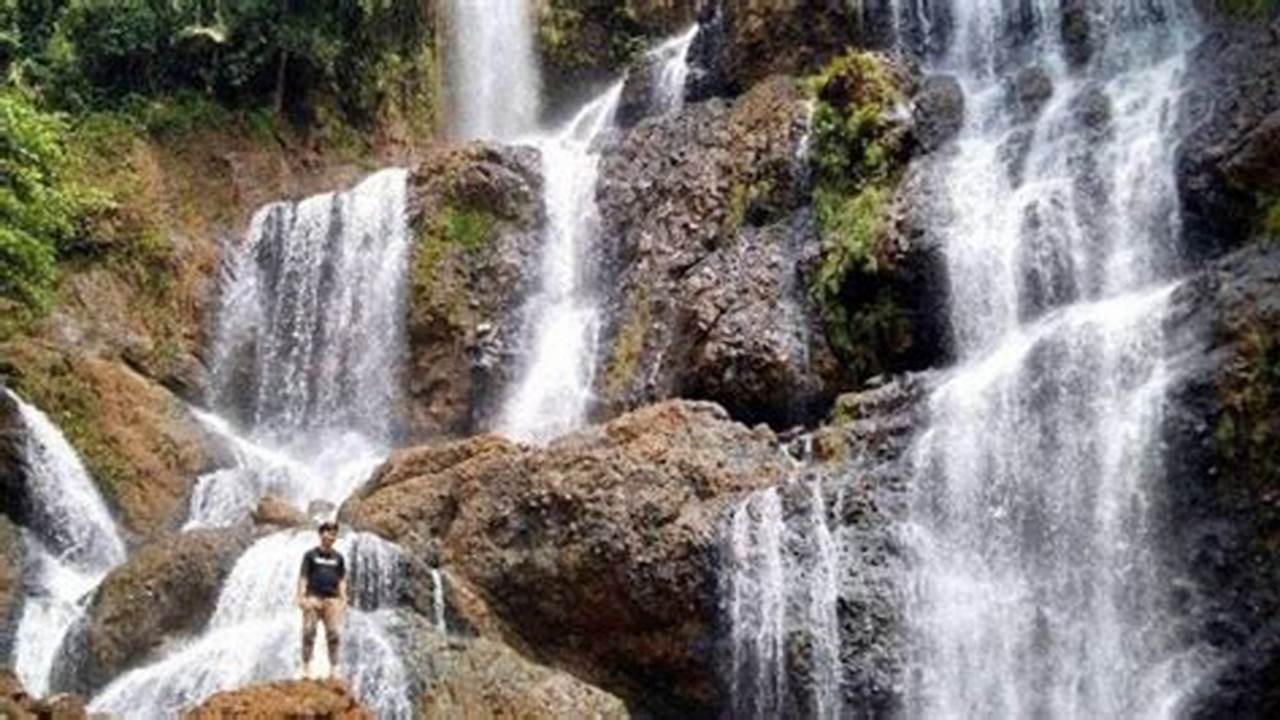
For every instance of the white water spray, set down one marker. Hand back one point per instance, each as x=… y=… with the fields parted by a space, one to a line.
x=71 y=545
x=492 y=69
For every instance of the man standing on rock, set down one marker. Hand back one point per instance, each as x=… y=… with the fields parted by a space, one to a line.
x=322 y=595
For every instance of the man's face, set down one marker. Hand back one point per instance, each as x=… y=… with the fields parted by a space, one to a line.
x=327 y=538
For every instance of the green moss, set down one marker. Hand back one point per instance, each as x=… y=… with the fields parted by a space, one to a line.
x=1271 y=219
x=628 y=346
x=440 y=274
x=857 y=159
x=1248 y=8
x=468 y=228
x=1248 y=436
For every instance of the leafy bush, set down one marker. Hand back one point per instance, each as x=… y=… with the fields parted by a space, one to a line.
x=40 y=208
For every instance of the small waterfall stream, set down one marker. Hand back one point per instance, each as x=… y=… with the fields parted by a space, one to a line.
x=72 y=543
x=492 y=69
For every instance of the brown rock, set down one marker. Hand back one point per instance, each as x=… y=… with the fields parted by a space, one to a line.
x=136 y=439
x=275 y=510
x=290 y=700
x=15 y=704
x=609 y=533
x=713 y=259
x=165 y=589
x=476 y=210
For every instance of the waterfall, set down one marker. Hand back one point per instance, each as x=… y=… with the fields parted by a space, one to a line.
x=1036 y=587
x=492 y=69
x=253 y=635
x=553 y=391
x=783 y=570
x=72 y=538
x=307 y=353
x=671 y=70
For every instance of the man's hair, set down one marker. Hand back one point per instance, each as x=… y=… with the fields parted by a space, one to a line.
x=328 y=525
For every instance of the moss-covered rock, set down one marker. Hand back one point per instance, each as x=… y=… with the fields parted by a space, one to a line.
x=476 y=212
x=137 y=440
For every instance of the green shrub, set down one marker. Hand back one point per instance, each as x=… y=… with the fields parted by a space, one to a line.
x=40 y=207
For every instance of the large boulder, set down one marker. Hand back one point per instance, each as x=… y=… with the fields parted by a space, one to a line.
x=166 y=590
x=284 y=700
x=474 y=678
x=711 y=261
x=610 y=533
x=476 y=211
x=1224 y=475
x=138 y=441
x=1226 y=164
x=16 y=704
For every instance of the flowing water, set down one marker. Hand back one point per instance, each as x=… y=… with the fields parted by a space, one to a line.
x=71 y=543
x=307 y=355
x=1036 y=587
x=553 y=391
x=783 y=568
x=493 y=71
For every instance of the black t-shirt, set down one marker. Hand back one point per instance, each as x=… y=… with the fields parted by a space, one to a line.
x=323 y=572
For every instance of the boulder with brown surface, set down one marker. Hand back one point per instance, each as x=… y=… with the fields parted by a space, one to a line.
x=136 y=439
x=288 y=700
x=611 y=532
x=16 y=704
x=476 y=211
x=275 y=510
x=165 y=590
x=714 y=250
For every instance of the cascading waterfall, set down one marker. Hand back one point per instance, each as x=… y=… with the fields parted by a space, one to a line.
x=308 y=351
x=73 y=542
x=1036 y=588
x=553 y=392
x=783 y=585
x=492 y=69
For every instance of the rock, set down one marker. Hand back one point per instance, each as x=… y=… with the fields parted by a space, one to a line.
x=138 y=441
x=165 y=590
x=460 y=677
x=1075 y=32
x=707 y=280
x=476 y=211
x=1226 y=163
x=275 y=510
x=1224 y=476
x=286 y=700
x=937 y=112
x=16 y=704
x=611 y=532
x=11 y=565
x=1031 y=89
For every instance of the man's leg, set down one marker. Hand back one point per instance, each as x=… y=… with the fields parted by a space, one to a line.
x=309 y=617
x=332 y=618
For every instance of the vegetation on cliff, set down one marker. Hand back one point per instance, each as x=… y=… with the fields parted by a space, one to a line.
x=858 y=159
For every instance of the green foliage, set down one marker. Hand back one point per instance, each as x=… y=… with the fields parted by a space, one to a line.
x=469 y=228
x=857 y=161
x=1247 y=435
x=1271 y=218
x=578 y=34
x=40 y=206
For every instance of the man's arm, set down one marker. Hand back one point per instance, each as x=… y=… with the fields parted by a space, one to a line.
x=301 y=594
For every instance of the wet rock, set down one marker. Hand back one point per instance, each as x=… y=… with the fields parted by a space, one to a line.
x=637 y=100
x=476 y=211
x=1229 y=116
x=611 y=532
x=138 y=441
x=14 y=497
x=1076 y=31
x=165 y=590
x=707 y=280
x=938 y=111
x=1224 y=475
x=1030 y=90
x=275 y=510
x=16 y=704
x=11 y=564
x=330 y=700
x=465 y=677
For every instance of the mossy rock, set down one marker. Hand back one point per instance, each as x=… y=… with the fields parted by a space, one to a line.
x=137 y=440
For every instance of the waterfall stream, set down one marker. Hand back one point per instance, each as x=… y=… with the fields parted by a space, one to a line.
x=72 y=543
x=492 y=69
x=1036 y=588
